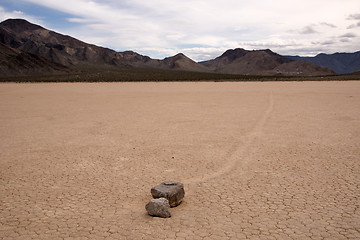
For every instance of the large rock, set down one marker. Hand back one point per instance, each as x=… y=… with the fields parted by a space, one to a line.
x=172 y=191
x=158 y=207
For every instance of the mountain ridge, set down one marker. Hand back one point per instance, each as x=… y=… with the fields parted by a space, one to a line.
x=68 y=51
x=262 y=62
x=340 y=63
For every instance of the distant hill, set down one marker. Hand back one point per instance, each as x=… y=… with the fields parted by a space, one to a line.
x=262 y=62
x=182 y=62
x=14 y=62
x=341 y=63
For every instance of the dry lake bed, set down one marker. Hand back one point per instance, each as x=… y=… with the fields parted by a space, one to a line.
x=275 y=160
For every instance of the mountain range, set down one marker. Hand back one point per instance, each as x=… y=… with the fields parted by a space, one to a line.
x=262 y=62
x=30 y=49
x=21 y=35
x=340 y=63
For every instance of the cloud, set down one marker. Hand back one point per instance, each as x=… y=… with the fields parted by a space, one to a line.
x=328 y=25
x=314 y=28
x=79 y=20
x=273 y=44
x=175 y=36
x=18 y=13
x=354 y=16
x=327 y=42
x=345 y=40
x=308 y=30
x=354 y=25
x=348 y=35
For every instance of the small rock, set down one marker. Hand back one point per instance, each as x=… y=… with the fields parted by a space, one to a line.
x=172 y=191
x=158 y=207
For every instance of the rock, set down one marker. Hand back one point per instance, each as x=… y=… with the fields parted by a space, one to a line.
x=172 y=191
x=158 y=207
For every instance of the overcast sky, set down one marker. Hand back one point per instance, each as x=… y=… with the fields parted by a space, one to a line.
x=201 y=29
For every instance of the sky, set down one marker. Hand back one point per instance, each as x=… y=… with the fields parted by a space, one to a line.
x=201 y=29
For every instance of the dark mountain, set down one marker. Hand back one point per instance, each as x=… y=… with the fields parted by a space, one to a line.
x=62 y=49
x=341 y=63
x=182 y=62
x=14 y=62
x=262 y=62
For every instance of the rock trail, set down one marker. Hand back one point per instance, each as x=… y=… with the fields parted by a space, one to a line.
x=235 y=157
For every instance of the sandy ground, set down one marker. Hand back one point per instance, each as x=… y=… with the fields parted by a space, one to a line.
x=258 y=160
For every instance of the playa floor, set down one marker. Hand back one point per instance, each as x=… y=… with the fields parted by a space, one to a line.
x=277 y=160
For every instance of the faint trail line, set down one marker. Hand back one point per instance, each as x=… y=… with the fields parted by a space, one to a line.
x=239 y=151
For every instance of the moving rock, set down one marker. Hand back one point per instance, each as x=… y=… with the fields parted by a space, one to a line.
x=171 y=190
x=158 y=207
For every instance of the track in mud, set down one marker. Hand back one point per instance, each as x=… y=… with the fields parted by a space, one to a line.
x=236 y=156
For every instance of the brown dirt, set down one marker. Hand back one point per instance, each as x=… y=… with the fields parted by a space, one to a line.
x=258 y=160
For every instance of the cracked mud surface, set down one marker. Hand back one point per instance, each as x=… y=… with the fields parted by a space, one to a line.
x=258 y=160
